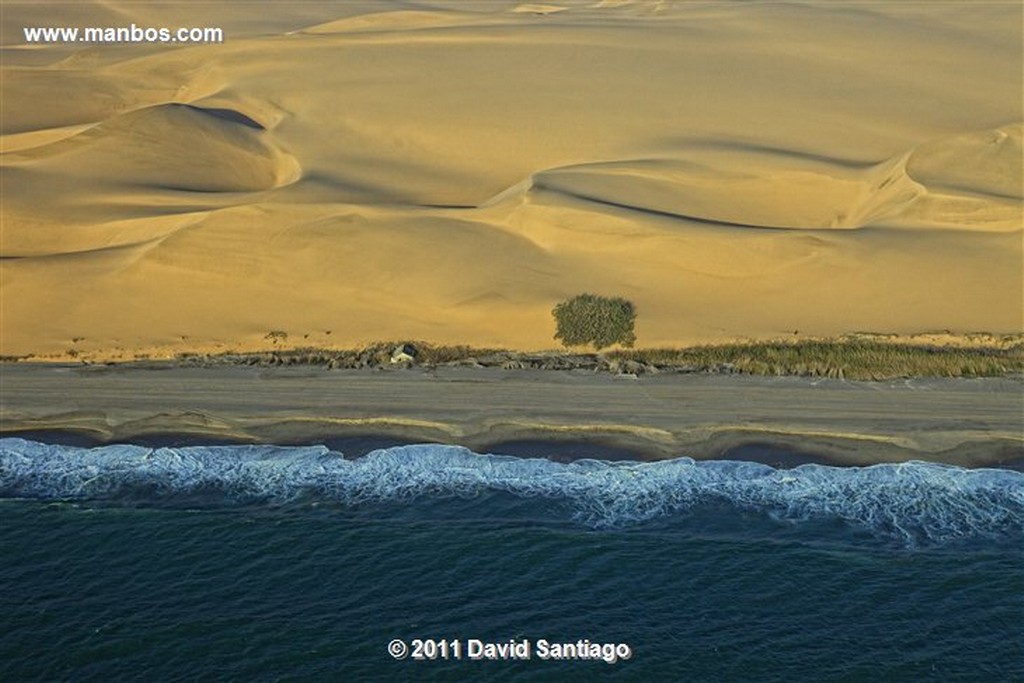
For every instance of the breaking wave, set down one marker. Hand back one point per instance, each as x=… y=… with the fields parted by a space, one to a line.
x=913 y=502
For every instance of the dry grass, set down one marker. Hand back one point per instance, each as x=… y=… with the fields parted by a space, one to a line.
x=862 y=358
x=852 y=359
x=378 y=353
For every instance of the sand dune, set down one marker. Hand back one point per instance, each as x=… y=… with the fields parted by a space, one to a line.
x=970 y=181
x=175 y=147
x=351 y=171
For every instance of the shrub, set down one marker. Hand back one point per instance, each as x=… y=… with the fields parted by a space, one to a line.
x=598 y=320
x=274 y=336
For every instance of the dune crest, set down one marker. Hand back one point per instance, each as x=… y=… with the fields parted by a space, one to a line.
x=974 y=181
x=174 y=147
x=765 y=195
x=969 y=181
x=538 y=8
x=395 y=20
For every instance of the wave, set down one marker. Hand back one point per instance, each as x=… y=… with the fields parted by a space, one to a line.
x=912 y=502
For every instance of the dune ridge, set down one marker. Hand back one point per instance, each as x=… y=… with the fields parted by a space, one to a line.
x=740 y=186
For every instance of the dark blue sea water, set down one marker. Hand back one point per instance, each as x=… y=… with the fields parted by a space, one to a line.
x=240 y=563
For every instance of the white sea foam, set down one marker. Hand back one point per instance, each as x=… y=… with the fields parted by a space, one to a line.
x=911 y=501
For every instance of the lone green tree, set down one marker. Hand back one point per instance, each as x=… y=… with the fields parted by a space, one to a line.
x=598 y=320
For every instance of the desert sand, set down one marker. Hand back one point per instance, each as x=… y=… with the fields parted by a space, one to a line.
x=448 y=170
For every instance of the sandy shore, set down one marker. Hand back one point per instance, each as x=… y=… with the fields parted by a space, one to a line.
x=785 y=420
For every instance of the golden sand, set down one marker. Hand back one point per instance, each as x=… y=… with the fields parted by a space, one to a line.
x=351 y=171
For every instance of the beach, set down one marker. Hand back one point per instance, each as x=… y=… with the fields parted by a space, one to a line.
x=560 y=414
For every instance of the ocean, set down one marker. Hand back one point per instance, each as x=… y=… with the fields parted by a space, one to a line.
x=265 y=563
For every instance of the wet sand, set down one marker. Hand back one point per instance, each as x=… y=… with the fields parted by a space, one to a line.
x=563 y=415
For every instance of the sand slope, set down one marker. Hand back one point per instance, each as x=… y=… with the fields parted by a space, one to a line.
x=351 y=171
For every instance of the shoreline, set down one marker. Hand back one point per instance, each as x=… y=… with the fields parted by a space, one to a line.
x=526 y=413
x=781 y=454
